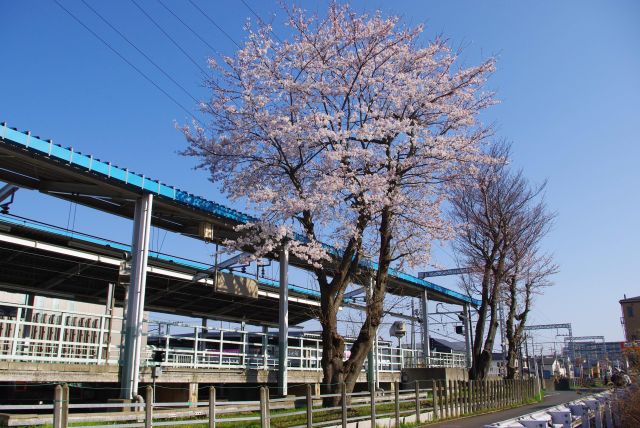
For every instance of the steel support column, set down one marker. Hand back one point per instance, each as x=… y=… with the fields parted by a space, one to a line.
x=426 y=346
x=467 y=337
x=283 y=318
x=371 y=356
x=135 y=304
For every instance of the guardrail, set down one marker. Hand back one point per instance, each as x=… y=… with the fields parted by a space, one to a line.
x=203 y=347
x=577 y=413
x=32 y=334
x=51 y=335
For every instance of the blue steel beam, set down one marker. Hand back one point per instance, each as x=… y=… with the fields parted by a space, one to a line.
x=122 y=176
x=178 y=261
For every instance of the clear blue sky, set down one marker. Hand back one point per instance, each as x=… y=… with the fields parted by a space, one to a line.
x=568 y=79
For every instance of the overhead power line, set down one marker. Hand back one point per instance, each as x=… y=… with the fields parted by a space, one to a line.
x=215 y=24
x=123 y=58
x=168 y=36
x=167 y=75
x=194 y=32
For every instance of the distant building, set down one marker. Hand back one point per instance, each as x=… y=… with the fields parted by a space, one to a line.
x=607 y=354
x=498 y=365
x=631 y=317
x=552 y=366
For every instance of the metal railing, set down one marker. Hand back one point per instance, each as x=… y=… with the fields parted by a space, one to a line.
x=31 y=334
x=195 y=346
x=57 y=336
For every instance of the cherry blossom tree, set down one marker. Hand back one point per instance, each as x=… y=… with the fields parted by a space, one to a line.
x=345 y=140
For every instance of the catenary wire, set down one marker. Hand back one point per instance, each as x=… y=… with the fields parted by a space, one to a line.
x=213 y=22
x=194 y=32
x=167 y=75
x=167 y=35
x=123 y=58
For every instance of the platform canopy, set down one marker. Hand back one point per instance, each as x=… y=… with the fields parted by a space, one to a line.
x=43 y=260
x=34 y=163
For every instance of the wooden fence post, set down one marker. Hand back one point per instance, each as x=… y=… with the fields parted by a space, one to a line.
x=64 y=406
x=435 y=401
x=212 y=407
x=343 y=399
x=418 y=401
x=64 y=418
x=471 y=396
x=309 y=407
x=453 y=398
x=373 y=403
x=264 y=407
x=447 y=398
x=521 y=390
x=57 y=407
x=465 y=397
x=485 y=393
x=443 y=400
x=396 y=392
x=492 y=394
x=148 y=407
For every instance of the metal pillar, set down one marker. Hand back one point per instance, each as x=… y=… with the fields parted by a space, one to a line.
x=503 y=334
x=467 y=341
x=135 y=304
x=283 y=321
x=470 y=324
x=30 y=300
x=413 y=329
x=376 y=357
x=426 y=345
x=265 y=347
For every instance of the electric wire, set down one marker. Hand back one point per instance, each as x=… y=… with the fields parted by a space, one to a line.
x=194 y=32
x=167 y=75
x=213 y=22
x=123 y=58
x=167 y=35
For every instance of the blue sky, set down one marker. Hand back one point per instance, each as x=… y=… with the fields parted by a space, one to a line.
x=567 y=78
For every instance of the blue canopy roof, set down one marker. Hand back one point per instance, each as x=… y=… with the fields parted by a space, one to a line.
x=69 y=158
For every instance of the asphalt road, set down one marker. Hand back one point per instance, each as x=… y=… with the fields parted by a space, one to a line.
x=552 y=399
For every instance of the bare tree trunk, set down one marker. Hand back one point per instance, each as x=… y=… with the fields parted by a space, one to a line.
x=492 y=278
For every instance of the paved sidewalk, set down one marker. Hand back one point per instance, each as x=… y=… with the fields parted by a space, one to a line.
x=551 y=399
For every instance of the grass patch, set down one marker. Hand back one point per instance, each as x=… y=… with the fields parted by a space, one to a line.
x=320 y=415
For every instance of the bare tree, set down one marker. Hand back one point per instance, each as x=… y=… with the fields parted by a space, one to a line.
x=530 y=270
x=502 y=226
